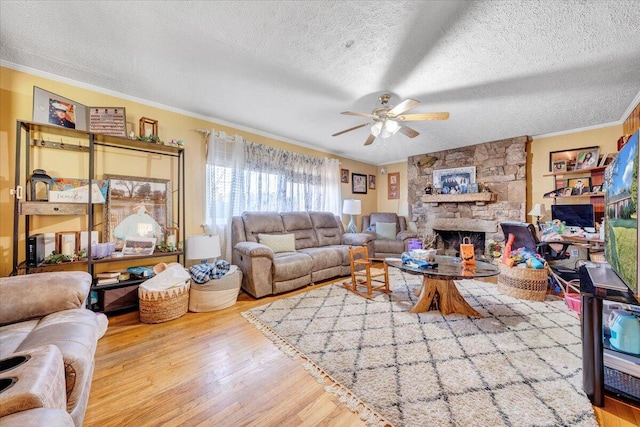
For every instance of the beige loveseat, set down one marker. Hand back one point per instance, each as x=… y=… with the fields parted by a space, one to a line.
x=47 y=347
x=393 y=244
x=318 y=249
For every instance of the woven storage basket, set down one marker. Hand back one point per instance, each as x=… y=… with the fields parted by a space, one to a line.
x=215 y=294
x=524 y=283
x=165 y=305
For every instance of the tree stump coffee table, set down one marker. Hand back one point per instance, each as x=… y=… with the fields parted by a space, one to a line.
x=438 y=291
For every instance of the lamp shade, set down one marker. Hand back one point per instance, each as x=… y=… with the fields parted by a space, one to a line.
x=203 y=246
x=352 y=207
x=538 y=210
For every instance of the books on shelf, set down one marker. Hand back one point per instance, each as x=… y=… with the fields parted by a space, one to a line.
x=108 y=275
x=108 y=281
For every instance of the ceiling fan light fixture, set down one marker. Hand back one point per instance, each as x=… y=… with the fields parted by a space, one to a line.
x=376 y=129
x=392 y=126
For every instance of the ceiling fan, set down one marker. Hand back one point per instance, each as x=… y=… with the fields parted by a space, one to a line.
x=386 y=119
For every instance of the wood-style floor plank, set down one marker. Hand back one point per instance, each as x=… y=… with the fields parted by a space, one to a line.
x=215 y=368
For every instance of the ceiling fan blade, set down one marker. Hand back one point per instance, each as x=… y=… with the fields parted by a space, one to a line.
x=369 y=140
x=423 y=116
x=350 y=113
x=350 y=129
x=411 y=133
x=405 y=105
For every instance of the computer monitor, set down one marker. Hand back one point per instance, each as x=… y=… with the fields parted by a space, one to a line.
x=574 y=215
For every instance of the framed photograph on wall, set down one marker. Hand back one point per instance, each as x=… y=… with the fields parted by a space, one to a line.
x=569 y=156
x=372 y=182
x=393 y=185
x=454 y=180
x=136 y=207
x=344 y=176
x=57 y=110
x=358 y=183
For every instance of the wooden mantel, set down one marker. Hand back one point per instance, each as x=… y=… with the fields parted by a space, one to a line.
x=479 y=198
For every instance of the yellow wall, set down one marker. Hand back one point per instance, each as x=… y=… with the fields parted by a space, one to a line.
x=399 y=206
x=538 y=159
x=16 y=102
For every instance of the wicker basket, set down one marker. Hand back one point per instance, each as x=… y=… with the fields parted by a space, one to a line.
x=524 y=283
x=162 y=306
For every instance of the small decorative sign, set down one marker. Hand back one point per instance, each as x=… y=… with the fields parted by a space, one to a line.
x=108 y=121
x=69 y=190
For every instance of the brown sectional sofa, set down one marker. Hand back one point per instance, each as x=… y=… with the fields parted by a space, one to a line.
x=42 y=317
x=321 y=250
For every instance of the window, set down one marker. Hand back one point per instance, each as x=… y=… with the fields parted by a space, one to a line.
x=244 y=176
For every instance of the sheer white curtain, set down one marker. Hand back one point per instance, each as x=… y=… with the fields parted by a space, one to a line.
x=244 y=176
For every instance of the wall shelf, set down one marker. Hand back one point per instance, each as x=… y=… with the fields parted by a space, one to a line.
x=577 y=171
x=477 y=198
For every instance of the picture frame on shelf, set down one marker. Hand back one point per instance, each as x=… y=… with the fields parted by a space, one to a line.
x=393 y=185
x=561 y=183
x=587 y=159
x=67 y=243
x=358 y=183
x=579 y=186
x=344 y=176
x=148 y=127
x=454 y=180
x=568 y=191
x=172 y=237
x=560 y=166
x=596 y=189
x=110 y=121
x=56 y=110
x=137 y=245
x=136 y=207
x=372 y=182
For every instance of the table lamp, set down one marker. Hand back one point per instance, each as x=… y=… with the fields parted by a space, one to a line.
x=352 y=207
x=539 y=211
x=203 y=247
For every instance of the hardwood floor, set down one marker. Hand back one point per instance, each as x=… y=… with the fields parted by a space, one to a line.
x=207 y=369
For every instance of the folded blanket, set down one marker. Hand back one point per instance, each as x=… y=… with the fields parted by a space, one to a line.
x=202 y=273
x=415 y=262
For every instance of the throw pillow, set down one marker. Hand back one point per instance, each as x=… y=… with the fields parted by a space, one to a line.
x=386 y=230
x=279 y=242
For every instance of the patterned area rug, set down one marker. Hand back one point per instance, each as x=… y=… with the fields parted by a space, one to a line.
x=520 y=365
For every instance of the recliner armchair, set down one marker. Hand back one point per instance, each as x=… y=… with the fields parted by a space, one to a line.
x=392 y=244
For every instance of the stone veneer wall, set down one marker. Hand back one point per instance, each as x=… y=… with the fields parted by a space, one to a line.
x=501 y=165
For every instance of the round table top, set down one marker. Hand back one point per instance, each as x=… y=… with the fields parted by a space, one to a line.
x=449 y=268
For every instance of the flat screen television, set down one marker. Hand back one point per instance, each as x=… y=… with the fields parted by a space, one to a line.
x=621 y=213
x=574 y=215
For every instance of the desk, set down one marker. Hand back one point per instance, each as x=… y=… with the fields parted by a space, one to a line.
x=438 y=290
x=587 y=243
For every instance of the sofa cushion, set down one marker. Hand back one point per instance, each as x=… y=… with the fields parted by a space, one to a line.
x=376 y=217
x=328 y=231
x=291 y=265
x=35 y=295
x=12 y=335
x=299 y=223
x=75 y=333
x=324 y=257
x=278 y=242
x=386 y=230
x=261 y=222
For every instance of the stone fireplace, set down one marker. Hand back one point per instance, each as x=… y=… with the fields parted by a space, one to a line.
x=500 y=166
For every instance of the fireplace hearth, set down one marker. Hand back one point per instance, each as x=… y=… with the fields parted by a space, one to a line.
x=448 y=242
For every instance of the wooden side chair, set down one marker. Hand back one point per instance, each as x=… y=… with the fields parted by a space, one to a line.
x=364 y=275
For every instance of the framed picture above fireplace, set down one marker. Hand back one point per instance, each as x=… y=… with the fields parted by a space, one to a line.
x=454 y=180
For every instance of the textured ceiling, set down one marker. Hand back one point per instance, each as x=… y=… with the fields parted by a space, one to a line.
x=287 y=69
